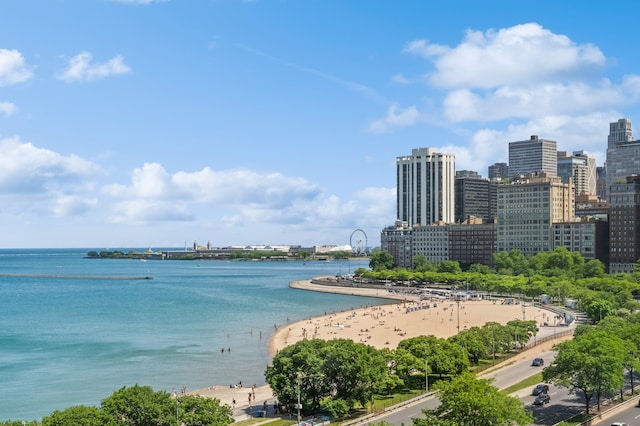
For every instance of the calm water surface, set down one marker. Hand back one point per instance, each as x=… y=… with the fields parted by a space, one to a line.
x=71 y=341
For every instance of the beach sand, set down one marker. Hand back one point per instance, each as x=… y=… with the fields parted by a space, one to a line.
x=387 y=325
x=379 y=326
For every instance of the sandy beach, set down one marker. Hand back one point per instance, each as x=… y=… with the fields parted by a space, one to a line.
x=387 y=325
x=379 y=326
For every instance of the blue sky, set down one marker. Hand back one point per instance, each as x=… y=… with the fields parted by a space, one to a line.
x=155 y=123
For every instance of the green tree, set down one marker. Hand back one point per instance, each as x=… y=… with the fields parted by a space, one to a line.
x=290 y=365
x=380 y=260
x=196 y=410
x=473 y=343
x=419 y=263
x=468 y=401
x=79 y=415
x=140 y=406
x=593 y=363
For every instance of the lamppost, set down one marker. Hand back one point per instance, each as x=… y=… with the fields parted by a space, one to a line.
x=458 y=302
x=298 y=405
x=426 y=368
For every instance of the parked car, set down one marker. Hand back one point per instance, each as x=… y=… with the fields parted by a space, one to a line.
x=542 y=399
x=619 y=424
x=541 y=388
x=537 y=362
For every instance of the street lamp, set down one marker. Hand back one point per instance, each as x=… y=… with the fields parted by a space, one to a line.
x=426 y=368
x=298 y=405
x=458 y=302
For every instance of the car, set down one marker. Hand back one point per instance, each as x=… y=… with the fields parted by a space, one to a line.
x=542 y=399
x=537 y=362
x=619 y=424
x=541 y=388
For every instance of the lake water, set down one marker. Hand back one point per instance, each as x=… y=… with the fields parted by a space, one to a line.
x=70 y=341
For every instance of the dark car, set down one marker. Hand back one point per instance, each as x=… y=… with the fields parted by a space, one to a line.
x=542 y=399
x=540 y=389
x=537 y=362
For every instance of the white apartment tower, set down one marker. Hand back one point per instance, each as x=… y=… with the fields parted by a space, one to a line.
x=425 y=187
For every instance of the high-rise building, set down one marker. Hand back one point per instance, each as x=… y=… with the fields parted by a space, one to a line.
x=624 y=225
x=499 y=171
x=472 y=198
x=623 y=153
x=533 y=156
x=528 y=208
x=425 y=187
x=601 y=182
x=579 y=166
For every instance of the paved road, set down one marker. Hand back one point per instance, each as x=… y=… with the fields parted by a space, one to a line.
x=509 y=373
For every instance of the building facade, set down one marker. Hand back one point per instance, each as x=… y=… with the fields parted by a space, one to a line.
x=396 y=240
x=472 y=199
x=589 y=238
x=533 y=156
x=471 y=243
x=432 y=241
x=528 y=208
x=623 y=153
x=624 y=225
x=425 y=187
x=579 y=166
x=499 y=171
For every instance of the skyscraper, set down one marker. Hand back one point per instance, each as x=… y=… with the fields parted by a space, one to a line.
x=499 y=171
x=579 y=166
x=533 y=156
x=623 y=153
x=425 y=187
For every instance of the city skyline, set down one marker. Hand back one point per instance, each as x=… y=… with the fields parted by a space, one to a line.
x=142 y=123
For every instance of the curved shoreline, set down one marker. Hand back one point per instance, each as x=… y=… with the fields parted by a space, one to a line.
x=380 y=326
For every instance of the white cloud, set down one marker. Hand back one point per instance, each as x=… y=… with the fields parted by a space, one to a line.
x=242 y=199
x=7 y=108
x=27 y=168
x=73 y=205
x=396 y=117
x=44 y=182
x=522 y=53
x=13 y=68
x=80 y=68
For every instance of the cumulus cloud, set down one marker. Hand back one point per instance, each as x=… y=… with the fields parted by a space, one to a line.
x=396 y=117
x=43 y=181
x=7 y=108
x=80 y=68
x=512 y=55
x=73 y=205
x=27 y=168
x=242 y=199
x=514 y=82
x=13 y=68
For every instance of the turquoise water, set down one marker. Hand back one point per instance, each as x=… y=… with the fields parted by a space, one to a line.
x=72 y=341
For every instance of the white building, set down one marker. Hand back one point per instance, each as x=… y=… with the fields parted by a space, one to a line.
x=425 y=187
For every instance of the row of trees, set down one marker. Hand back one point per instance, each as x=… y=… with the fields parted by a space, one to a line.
x=338 y=375
x=594 y=363
x=140 y=406
x=560 y=274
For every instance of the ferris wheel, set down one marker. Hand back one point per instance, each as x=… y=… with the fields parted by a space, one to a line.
x=358 y=242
